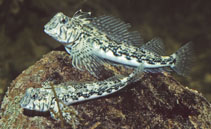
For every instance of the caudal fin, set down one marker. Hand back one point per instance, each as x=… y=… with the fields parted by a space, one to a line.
x=184 y=59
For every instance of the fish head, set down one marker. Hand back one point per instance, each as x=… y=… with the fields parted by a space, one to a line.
x=36 y=99
x=60 y=27
x=67 y=30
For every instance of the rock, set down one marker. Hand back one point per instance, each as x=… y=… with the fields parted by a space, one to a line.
x=157 y=101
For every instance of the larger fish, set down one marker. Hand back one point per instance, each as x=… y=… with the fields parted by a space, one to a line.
x=91 y=42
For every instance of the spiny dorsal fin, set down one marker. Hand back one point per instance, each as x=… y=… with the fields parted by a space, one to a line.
x=117 y=30
x=82 y=14
x=155 y=45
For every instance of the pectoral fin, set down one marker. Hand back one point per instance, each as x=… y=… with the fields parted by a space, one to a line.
x=83 y=58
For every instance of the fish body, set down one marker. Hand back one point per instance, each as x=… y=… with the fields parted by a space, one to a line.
x=43 y=99
x=92 y=42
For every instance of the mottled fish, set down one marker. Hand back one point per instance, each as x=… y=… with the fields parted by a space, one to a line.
x=93 y=41
x=43 y=99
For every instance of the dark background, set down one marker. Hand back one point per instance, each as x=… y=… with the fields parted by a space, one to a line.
x=23 y=42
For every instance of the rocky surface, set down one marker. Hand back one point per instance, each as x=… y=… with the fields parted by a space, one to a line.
x=157 y=101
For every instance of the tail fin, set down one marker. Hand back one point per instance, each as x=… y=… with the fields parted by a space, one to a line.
x=184 y=59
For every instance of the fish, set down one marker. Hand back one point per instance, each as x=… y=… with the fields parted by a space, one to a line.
x=94 y=41
x=43 y=99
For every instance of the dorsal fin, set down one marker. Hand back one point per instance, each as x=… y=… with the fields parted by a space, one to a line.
x=117 y=30
x=82 y=14
x=155 y=45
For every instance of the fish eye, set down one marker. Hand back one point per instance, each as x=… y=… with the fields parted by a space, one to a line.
x=34 y=96
x=63 y=20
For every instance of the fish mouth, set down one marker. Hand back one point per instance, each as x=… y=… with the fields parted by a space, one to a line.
x=45 y=29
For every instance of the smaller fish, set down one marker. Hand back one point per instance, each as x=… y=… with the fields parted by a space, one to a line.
x=43 y=99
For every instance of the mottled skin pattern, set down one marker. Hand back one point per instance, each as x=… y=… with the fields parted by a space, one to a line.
x=91 y=42
x=83 y=37
x=43 y=99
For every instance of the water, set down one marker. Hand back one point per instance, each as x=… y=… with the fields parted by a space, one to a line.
x=23 y=42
